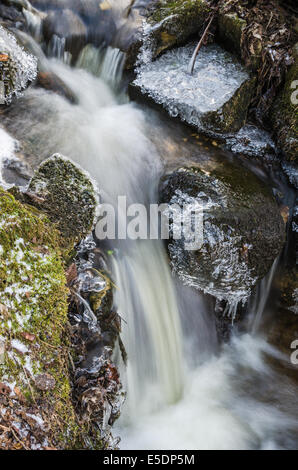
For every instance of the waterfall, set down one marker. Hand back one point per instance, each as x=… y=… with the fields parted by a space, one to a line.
x=260 y=298
x=184 y=391
x=112 y=66
x=109 y=140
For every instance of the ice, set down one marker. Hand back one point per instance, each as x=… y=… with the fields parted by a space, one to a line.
x=216 y=78
x=291 y=172
x=252 y=141
x=19 y=69
x=19 y=346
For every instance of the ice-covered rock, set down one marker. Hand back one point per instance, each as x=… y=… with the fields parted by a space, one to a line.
x=291 y=170
x=17 y=68
x=243 y=231
x=214 y=99
x=253 y=142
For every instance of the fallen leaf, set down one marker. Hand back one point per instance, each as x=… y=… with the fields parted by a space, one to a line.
x=28 y=336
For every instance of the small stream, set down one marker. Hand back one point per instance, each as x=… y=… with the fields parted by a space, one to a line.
x=185 y=389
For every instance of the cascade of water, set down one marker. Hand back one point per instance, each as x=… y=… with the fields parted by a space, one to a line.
x=109 y=140
x=260 y=298
x=34 y=23
x=112 y=67
x=172 y=402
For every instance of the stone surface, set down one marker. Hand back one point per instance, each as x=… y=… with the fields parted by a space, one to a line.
x=66 y=194
x=230 y=29
x=243 y=229
x=64 y=24
x=171 y=23
x=155 y=26
x=214 y=99
x=253 y=142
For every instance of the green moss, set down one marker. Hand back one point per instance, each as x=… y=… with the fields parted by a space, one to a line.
x=175 y=21
x=230 y=29
x=34 y=311
x=66 y=194
x=284 y=115
x=233 y=114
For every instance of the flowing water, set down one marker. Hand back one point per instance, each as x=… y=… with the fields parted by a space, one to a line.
x=184 y=390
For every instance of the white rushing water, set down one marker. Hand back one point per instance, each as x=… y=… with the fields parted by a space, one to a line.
x=183 y=391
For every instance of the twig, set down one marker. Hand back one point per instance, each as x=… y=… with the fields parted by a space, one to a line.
x=29 y=385
x=191 y=65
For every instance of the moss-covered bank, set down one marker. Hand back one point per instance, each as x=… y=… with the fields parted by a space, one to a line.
x=35 y=391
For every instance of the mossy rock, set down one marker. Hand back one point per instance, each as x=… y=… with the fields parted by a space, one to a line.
x=33 y=330
x=284 y=114
x=232 y=116
x=174 y=21
x=243 y=231
x=66 y=194
x=168 y=23
x=230 y=29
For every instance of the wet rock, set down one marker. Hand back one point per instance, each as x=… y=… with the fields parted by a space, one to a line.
x=50 y=81
x=284 y=116
x=243 y=229
x=253 y=142
x=66 y=194
x=282 y=331
x=214 y=99
x=10 y=15
x=67 y=25
x=230 y=30
x=77 y=23
x=160 y=25
x=17 y=68
x=171 y=23
x=291 y=170
x=16 y=171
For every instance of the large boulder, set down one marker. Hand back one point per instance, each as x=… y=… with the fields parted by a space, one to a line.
x=17 y=68
x=243 y=229
x=66 y=193
x=214 y=99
